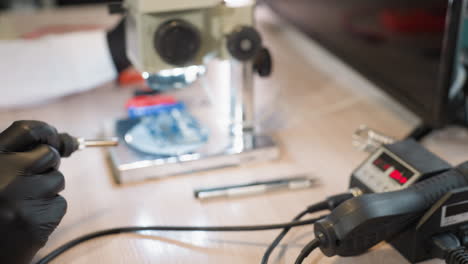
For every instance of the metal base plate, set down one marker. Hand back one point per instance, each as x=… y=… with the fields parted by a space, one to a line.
x=129 y=165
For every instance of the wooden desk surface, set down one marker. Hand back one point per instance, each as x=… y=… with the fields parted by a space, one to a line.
x=316 y=111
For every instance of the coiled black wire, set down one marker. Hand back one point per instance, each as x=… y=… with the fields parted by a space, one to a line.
x=457 y=256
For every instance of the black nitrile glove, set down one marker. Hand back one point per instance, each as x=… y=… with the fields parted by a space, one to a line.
x=30 y=207
x=26 y=134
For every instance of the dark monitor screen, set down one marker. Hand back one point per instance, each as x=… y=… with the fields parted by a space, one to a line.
x=78 y=2
x=407 y=48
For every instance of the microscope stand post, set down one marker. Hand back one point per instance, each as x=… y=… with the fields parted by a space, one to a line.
x=241 y=144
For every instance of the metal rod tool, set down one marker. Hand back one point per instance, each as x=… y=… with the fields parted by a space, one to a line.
x=97 y=143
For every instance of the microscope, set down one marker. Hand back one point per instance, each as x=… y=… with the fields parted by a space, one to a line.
x=177 y=40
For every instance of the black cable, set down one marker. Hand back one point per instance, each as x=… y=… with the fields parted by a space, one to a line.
x=307 y=250
x=57 y=252
x=278 y=239
x=420 y=132
x=457 y=256
x=328 y=204
x=447 y=246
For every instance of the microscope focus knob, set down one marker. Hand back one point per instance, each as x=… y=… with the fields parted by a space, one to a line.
x=177 y=42
x=244 y=43
x=263 y=63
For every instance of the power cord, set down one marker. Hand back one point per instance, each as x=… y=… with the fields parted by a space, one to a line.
x=457 y=256
x=447 y=246
x=57 y=252
x=307 y=250
x=328 y=204
x=278 y=239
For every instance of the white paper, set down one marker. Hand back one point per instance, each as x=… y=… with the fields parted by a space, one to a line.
x=36 y=71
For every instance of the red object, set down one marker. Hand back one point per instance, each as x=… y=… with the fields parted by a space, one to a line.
x=59 y=29
x=413 y=21
x=403 y=180
x=130 y=77
x=398 y=176
x=149 y=100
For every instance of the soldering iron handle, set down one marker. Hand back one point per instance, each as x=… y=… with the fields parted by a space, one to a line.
x=432 y=189
x=68 y=145
x=362 y=222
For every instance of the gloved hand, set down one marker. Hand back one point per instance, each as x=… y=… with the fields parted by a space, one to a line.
x=30 y=207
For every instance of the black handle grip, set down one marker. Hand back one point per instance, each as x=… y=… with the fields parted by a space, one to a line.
x=7 y=213
x=68 y=145
x=432 y=189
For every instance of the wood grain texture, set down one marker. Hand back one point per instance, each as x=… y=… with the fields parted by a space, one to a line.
x=313 y=110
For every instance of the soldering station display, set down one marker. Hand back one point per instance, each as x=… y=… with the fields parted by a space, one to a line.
x=395 y=170
x=390 y=168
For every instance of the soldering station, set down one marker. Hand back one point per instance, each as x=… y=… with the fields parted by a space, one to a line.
x=402 y=193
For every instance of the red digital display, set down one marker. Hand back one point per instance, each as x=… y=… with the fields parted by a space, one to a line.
x=395 y=170
x=396 y=175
